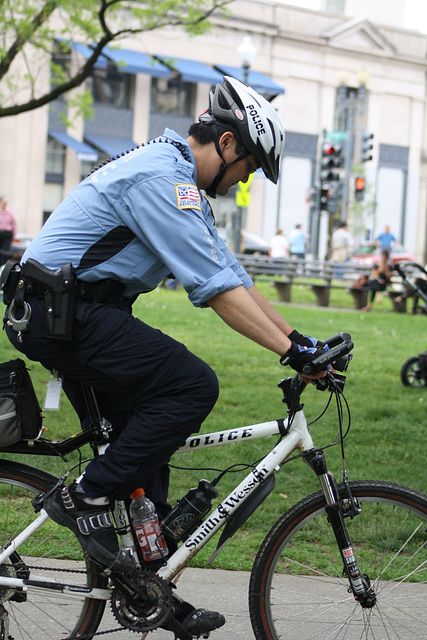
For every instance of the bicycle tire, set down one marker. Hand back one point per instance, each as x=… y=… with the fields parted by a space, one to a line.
x=297 y=588
x=411 y=374
x=53 y=551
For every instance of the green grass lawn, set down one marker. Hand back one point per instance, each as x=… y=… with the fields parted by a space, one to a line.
x=388 y=421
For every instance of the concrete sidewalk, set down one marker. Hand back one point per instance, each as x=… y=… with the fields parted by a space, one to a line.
x=227 y=592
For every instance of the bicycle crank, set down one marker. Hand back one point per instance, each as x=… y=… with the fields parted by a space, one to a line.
x=142 y=603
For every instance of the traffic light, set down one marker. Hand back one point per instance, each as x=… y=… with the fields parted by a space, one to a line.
x=359 y=192
x=331 y=159
x=366 y=146
x=324 y=196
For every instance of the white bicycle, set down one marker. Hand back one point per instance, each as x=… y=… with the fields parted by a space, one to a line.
x=347 y=562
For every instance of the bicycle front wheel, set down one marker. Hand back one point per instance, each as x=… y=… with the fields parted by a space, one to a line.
x=298 y=589
x=52 y=552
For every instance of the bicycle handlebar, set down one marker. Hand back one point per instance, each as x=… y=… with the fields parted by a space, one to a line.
x=339 y=345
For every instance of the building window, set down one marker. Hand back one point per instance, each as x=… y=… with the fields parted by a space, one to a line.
x=53 y=194
x=172 y=96
x=88 y=167
x=60 y=65
x=55 y=161
x=335 y=6
x=54 y=178
x=111 y=87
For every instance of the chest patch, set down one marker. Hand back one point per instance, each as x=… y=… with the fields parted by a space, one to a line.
x=187 y=196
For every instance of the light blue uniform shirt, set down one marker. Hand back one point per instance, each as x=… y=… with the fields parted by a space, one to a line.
x=138 y=219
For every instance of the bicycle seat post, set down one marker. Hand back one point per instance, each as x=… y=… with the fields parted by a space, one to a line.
x=102 y=426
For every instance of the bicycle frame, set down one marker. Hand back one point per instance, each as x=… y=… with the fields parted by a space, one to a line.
x=298 y=437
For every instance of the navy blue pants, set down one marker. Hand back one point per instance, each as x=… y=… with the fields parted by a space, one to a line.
x=150 y=387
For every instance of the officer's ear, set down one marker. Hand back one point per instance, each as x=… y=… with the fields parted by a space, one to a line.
x=227 y=141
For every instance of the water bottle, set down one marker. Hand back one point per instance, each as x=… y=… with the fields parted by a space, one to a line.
x=188 y=512
x=147 y=527
x=124 y=529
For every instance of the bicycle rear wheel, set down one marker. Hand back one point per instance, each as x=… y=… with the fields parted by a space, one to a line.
x=298 y=590
x=52 y=552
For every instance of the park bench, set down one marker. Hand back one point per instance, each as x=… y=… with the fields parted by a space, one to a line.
x=320 y=276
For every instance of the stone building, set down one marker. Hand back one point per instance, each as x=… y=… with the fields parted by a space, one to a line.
x=327 y=74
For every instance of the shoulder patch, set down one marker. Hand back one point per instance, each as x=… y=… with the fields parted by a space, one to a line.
x=187 y=196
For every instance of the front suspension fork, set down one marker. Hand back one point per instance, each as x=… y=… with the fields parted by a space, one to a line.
x=359 y=583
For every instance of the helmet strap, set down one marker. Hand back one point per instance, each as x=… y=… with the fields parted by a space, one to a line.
x=211 y=191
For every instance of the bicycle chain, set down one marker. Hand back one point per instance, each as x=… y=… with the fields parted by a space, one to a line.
x=86 y=635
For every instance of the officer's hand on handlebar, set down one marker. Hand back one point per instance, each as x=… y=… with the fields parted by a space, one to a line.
x=304 y=341
x=313 y=361
x=298 y=356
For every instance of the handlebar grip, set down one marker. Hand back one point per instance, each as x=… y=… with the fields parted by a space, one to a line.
x=338 y=338
x=322 y=361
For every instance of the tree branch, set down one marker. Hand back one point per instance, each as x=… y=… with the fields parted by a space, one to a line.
x=171 y=14
x=20 y=41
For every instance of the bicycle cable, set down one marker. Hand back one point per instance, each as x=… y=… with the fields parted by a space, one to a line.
x=339 y=396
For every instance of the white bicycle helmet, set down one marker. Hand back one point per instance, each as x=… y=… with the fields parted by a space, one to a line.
x=237 y=107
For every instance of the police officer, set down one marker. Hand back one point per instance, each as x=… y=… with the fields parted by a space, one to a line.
x=131 y=223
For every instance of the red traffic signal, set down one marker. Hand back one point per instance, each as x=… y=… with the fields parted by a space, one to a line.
x=360 y=188
x=331 y=159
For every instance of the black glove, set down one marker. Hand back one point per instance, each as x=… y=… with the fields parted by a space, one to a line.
x=299 y=355
x=304 y=341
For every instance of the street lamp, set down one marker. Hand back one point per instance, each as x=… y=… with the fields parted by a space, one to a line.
x=247 y=53
x=363 y=78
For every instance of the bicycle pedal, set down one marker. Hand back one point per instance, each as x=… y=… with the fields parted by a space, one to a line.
x=179 y=632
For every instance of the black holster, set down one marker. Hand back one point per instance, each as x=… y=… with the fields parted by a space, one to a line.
x=58 y=305
x=56 y=287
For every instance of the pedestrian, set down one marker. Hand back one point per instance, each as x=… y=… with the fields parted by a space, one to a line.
x=118 y=234
x=380 y=277
x=279 y=246
x=341 y=243
x=8 y=230
x=298 y=239
x=386 y=240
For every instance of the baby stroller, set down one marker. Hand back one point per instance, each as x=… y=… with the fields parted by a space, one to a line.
x=414 y=278
x=414 y=371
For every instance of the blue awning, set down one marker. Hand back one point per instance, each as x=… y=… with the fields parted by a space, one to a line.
x=83 y=151
x=192 y=70
x=109 y=144
x=86 y=52
x=129 y=61
x=256 y=80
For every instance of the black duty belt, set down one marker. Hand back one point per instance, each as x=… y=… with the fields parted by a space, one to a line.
x=106 y=290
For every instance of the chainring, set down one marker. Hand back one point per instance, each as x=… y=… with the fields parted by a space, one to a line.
x=143 y=614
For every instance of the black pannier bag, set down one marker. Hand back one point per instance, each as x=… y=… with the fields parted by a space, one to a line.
x=20 y=412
